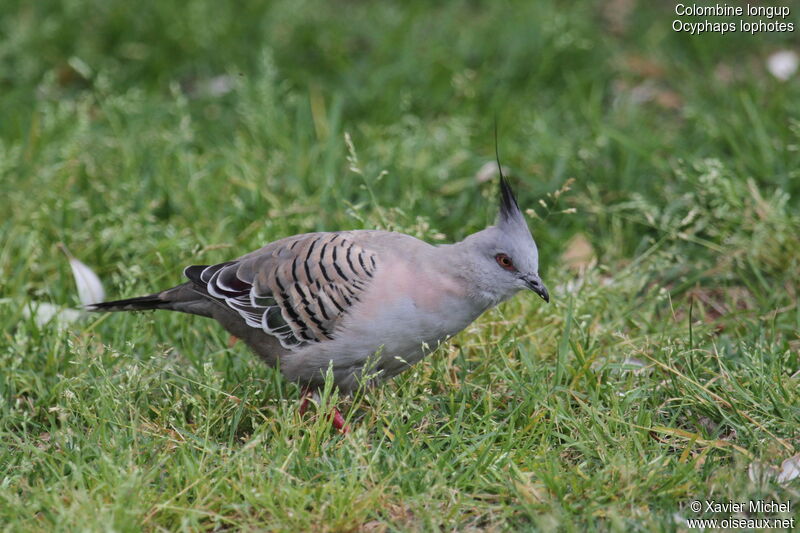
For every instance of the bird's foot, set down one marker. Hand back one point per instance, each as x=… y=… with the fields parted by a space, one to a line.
x=307 y=394
x=337 y=420
x=232 y=340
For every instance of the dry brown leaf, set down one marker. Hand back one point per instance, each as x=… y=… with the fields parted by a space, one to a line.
x=617 y=14
x=579 y=254
x=644 y=66
x=373 y=526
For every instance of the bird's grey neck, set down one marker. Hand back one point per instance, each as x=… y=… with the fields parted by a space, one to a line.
x=470 y=267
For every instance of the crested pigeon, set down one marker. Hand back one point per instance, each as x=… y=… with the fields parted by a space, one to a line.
x=367 y=304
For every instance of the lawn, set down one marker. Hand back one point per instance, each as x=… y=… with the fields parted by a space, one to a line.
x=661 y=175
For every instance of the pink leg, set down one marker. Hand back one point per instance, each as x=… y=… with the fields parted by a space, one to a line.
x=337 y=420
x=304 y=403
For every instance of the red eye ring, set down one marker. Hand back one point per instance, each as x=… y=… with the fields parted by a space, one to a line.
x=504 y=261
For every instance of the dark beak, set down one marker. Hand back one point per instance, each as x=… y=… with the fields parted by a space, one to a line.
x=536 y=285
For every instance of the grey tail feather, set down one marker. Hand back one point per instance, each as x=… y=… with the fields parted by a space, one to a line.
x=185 y=298
x=141 y=303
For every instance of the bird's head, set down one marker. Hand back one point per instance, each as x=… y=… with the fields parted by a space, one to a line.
x=506 y=257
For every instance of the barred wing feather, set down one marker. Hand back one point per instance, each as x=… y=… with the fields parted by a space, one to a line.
x=296 y=289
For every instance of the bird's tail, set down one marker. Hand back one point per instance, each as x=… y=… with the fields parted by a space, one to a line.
x=186 y=298
x=141 y=303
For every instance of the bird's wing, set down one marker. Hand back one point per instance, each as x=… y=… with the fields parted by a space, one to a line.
x=296 y=289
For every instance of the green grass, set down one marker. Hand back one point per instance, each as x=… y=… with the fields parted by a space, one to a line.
x=662 y=370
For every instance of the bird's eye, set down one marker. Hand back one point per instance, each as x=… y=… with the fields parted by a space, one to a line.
x=504 y=261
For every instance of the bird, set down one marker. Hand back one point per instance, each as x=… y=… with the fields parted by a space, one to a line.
x=364 y=305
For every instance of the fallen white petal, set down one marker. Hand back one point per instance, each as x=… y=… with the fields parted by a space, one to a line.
x=633 y=361
x=44 y=313
x=790 y=469
x=90 y=288
x=758 y=472
x=488 y=171
x=783 y=64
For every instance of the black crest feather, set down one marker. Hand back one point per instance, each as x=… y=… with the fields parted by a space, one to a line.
x=508 y=203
